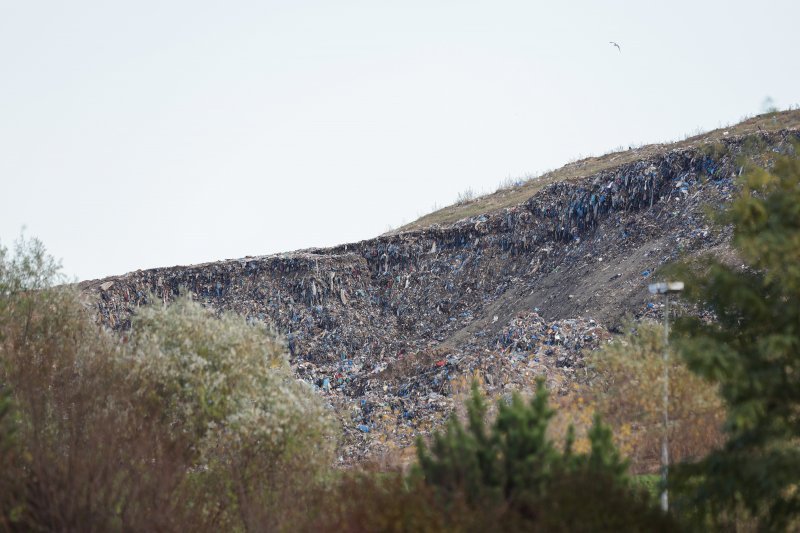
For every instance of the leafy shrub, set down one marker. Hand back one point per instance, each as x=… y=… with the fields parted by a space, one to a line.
x=227 y=388
x=191 y=423
x=627 y=392
x=87 y=456
x=11 y=503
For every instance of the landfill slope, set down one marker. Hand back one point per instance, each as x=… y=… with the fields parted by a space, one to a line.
x=511 y=196
x=391 y=330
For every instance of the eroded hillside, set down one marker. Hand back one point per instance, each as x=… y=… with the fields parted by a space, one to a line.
x=390 y=329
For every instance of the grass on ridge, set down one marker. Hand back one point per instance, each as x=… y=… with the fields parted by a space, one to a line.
x=508 y=197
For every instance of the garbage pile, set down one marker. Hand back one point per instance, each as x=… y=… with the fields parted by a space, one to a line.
x=392 y=330
x=416 y=391
x=561 y=341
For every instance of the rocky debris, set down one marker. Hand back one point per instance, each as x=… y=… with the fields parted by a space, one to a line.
x=389 y=329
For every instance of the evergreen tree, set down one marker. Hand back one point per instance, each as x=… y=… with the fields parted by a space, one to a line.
x=464 y=460
x=513 y=466
x=752 y=351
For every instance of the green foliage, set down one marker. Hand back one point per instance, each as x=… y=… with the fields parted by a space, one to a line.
x=11 y=503
x=604 y=457
x=226 y=387
x=7 y=428
x=82 y=451
x=752 y=350
x=29 y=268
x=650 y=482
x=513 y=466
x=189 y=422
x=527 y=457
x=225 y=382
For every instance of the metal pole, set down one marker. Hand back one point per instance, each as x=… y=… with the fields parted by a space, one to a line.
x=665 y=288
x=665 y=441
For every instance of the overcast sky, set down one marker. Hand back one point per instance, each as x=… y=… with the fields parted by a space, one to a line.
x=154 y=133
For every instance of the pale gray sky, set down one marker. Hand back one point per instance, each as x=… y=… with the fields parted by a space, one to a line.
x=154 y=133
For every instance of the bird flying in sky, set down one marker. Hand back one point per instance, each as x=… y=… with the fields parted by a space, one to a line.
x=615 y=44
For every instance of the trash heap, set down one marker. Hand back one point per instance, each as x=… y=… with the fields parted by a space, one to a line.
x=417 y=391
x=561 y=341
x=392 y=330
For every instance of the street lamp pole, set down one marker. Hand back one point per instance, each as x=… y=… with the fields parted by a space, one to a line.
x=666 y=289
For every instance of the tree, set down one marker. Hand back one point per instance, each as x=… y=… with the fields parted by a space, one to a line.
x=752 y=350
x=256 y=432
x=514 y=467
x=82 y=453
x=626 y=389
x=189 y=421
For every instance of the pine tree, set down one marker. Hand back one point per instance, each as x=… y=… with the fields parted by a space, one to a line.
x=463 y=460
x=752 y=351
x=513 y=466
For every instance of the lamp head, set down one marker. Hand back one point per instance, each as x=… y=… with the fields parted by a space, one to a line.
x=666 y=287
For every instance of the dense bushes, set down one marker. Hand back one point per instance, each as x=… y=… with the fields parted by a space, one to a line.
x=226 y=389
x=190 y=422
x=513 y=471
x=626 y=388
